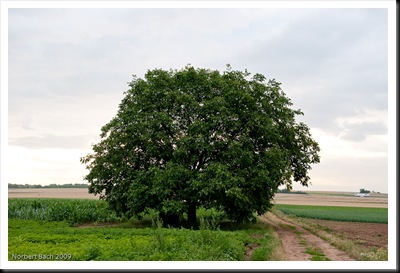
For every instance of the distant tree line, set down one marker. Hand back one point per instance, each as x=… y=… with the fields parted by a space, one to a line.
x=289 y=191
x=364 y=191
x=36 y=186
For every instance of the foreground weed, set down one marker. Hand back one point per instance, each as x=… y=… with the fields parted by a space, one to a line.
x=379 y=254
x=264 y=248
x=206 y=229
x=159 y=233
x=92 y=252
x=316 y=254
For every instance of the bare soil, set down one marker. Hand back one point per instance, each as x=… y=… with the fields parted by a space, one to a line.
x=332 y=199
x=370 y=235
x=313 y=198
x=80 y=193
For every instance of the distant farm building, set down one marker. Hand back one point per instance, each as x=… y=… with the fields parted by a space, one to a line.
x=361 y=194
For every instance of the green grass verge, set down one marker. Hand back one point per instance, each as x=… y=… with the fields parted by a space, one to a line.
x=347 y=214
x=43 y=240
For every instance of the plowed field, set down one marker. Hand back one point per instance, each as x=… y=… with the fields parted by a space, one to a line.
x=79 y=193
x=313 y=198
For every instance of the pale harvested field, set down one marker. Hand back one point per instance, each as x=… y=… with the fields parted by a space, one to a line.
x=313 y=198
x=80 y=193
x=332 y=199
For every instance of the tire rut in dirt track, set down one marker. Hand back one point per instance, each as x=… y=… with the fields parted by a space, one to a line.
x=296 y=240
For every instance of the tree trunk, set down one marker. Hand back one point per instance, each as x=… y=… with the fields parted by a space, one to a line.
x=192 y=215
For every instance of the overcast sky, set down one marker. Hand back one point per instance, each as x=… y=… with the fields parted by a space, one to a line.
x=68 y=69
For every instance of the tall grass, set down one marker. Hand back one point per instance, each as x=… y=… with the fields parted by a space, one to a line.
x=74 y=211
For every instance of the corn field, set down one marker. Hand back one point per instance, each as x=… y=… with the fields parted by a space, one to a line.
x=74 y=211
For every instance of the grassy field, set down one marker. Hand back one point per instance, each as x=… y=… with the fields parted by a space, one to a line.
x=347 y=214
x=51 y=229
x=59 y=241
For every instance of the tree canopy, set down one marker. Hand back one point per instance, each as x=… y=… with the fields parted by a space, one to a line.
x=197 y=137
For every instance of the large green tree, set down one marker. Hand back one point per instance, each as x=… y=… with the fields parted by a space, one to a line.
x=196 y=137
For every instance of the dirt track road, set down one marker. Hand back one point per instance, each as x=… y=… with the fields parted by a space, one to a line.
x=296 y=241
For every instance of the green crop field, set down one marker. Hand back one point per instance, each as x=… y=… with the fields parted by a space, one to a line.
x=347 y=214
x=49 y=229
x=74 y=211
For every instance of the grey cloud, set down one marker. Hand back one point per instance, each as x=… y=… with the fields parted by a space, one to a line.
x=321 y=108
x=317 y=40
x=329 y=61
x=84 y=49
x=359 y=131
